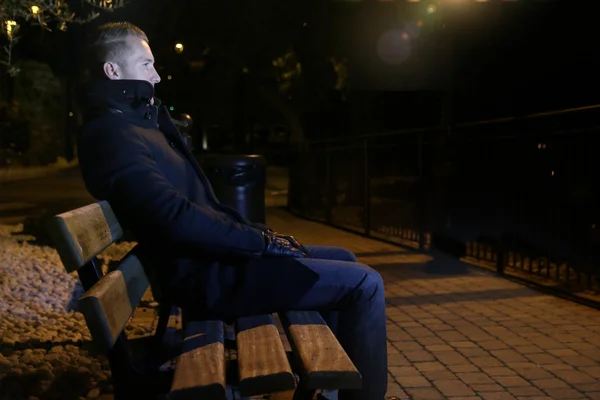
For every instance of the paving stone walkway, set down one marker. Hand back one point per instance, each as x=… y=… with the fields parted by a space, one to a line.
x=457 y=332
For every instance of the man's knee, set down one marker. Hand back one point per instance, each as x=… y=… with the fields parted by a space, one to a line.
x=346 y=255
x=372 y=284
x=331 y=253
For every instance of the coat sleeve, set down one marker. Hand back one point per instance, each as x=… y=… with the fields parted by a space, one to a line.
x=118 y=166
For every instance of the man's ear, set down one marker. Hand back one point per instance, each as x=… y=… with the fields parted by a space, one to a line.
x=112 y=70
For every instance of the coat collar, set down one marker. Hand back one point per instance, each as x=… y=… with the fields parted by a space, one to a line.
x=132 y=98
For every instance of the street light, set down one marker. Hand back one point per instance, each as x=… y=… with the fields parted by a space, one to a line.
x=10 y=26
x=179 y=48
x=35 y=10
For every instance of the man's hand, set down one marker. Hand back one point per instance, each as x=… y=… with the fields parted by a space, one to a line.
x=279 y=246
x=292 y=239
x=294 y=242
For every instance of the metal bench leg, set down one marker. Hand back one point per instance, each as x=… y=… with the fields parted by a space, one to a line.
x=303 y=393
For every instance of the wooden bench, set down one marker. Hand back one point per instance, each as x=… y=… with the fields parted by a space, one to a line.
x=201 y=368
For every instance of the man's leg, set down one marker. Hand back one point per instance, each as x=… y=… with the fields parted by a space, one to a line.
x=330 y=253
x=354 y=290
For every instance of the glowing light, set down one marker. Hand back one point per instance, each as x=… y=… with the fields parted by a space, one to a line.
x=10 y=27
x=394 y=46
x=35 y=10
x=70 y=113
x=431 y=8
x=552 y=173
x=245 y=70
x=171 y=108
x=179 y=48
x=169 y=77
x=419 y=23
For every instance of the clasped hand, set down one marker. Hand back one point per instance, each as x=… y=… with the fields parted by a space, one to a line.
x=278 y=245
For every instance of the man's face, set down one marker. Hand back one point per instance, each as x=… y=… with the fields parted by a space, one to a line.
x=137 y=63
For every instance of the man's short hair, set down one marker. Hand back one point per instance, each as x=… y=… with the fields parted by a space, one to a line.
x=109 y=43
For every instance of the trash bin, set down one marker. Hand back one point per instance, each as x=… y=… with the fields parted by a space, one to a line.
x=239 y=182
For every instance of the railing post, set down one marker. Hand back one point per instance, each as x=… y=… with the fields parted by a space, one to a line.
x=500 y=260
x=421 y=193
x=329 y=184
x=367 y=189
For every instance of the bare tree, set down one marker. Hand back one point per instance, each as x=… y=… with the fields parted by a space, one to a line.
x=48 y=14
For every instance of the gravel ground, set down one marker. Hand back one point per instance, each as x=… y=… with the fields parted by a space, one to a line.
x=45 y=347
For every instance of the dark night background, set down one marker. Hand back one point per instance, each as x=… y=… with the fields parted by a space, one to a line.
x=476 y=60
x=371 y=105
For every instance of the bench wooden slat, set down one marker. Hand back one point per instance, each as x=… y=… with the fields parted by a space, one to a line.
x=81 y=234
x=109 y=304
x=324 y=362
x=200 y=368
x=263 y=363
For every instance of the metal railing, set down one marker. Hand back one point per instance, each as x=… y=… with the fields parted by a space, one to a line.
x=518 y=194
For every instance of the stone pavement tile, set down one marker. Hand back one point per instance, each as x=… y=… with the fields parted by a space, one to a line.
x=462 y=345
x=511 y=381
x=534 y=372
x=573 y=376
x=408 y=346
x=525 y=391
x=560 y=394
x=429 y=366
x=508 y=356
x=397 y=359
x=452 y=336
x=493 y=345
x=533 y=349
x=403 y=371
x=581 y=346
x=396 y=390
x=497 y=396
x=425 y=394
x=579 y=361
x=443 y=375
x=453 y=388
x=516 y=341
x=488 y=361
x=438 y=347
x=466 y=398
x=451 y=358
x=543 y=359
x=534 y=398
x=470 y=352
x=428 y=341
x=550 y=383
x=463 y=368
x=587 y=387
x=498 y=371
x=563 y=352
x=594 y=371
x=486 y=387
x=397 y=335
x=474 y=378
x=418 y=355
x=412 y=381
x=419 y=332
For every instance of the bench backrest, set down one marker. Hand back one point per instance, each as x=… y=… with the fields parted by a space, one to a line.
x=108 y=303
x=81 y=234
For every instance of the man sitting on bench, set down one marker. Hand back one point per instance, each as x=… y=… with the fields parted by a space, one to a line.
x=212 y=260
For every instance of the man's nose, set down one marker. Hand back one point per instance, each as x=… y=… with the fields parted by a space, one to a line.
x=156 y=78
